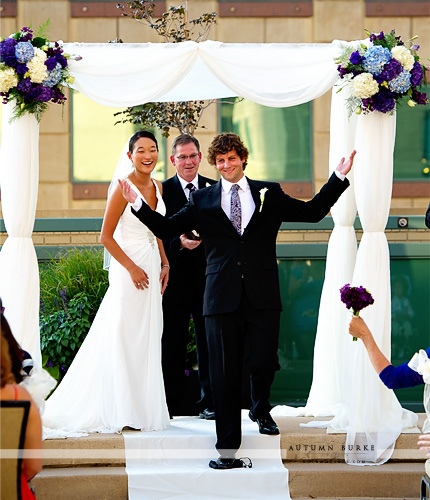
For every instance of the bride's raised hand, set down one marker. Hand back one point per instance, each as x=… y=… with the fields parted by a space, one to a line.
x=127 y=192
x=139 y=278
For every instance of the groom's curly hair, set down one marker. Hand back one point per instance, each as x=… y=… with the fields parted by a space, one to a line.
x=224 y=143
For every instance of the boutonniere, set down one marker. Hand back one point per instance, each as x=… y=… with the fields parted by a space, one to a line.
x=262 y=196
x=208 y=184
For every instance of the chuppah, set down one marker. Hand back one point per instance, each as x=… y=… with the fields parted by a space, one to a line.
x=286 y=75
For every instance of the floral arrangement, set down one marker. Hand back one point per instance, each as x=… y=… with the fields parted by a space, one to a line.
x=382 y=74
x=355 y=298
x=33 y=71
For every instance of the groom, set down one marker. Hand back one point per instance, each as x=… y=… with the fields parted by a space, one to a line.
x=238 y=221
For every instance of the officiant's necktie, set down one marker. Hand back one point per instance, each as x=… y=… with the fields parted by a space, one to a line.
x=191 y=188
x=235 y=208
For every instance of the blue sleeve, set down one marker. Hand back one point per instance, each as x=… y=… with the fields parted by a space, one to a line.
x=399 y=377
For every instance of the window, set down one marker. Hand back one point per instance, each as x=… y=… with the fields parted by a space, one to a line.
x=279 y=139
x=97 y=143
x=412 y=148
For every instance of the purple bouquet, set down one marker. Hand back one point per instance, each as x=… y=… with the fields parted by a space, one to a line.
x=382 y=74
x=33 y=71
x=355 y=298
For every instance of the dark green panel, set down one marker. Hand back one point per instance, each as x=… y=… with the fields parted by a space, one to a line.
x=301 y=284
x=412 y=148
x=279 y=139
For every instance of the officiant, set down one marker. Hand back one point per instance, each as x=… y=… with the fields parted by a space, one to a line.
x=184 y=296
x=238 y=221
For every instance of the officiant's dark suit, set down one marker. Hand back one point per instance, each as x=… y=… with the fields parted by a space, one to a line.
x=242 y=302
x=183 y=297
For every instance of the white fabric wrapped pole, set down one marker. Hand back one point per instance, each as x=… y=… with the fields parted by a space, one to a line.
x=326 y=389
x=326 y=394
x=375 y=416
x=19 y=272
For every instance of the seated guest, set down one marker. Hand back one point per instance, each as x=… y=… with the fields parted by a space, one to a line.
x=10 y=391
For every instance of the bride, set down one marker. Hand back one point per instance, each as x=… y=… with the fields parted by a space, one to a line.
x=115 y=380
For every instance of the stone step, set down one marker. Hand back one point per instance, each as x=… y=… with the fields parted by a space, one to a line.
x=337 y=480
x=81 y=483
x=298 y=444
x=306 y=481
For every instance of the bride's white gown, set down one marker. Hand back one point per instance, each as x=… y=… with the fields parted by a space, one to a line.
x=116 y=379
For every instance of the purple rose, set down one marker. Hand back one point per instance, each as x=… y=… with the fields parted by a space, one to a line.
x=24 y=85
x=417 y=74
x=50 y=63
x=42 y=94
x=7 y=48
x=11 y=61
x=356 y=57
x=383 y=101
x=420 y=97
x=62 y=60
x=381 y=36
x=355 y=298
x=57 y=96
x=342 y=71
x=21 y=69
x=26 y=34
x=392 y=69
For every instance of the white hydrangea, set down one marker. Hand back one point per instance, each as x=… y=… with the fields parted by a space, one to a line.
x=8 y=79
x=364 y=86
x=404 y=56
x=36 y=67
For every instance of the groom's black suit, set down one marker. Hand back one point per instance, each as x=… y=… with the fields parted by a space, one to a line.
x=182 y=298
x=242 y=302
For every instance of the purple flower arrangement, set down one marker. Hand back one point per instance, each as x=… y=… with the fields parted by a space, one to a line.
x=355 y=298
x=382 y=74
x=33 y=72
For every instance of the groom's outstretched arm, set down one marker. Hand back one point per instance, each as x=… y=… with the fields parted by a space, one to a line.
x=162 y=227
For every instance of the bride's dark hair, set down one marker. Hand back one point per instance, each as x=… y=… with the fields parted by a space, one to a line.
x=138 y=135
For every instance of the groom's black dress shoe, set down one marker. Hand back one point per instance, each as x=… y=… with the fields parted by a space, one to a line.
x=229 y=463
x=207 y=414
x=266 y=425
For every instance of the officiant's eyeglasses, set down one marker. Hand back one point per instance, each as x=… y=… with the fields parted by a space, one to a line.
x=192 y=157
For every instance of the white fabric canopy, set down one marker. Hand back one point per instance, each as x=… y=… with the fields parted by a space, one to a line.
x=276 y=75
x=279 y=75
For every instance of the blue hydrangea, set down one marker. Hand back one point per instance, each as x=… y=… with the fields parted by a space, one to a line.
x=401 y=83
x=375 y=58
x=54 y=76
x=24 y=52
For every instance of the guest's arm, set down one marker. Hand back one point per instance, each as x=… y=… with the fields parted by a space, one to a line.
x=359 y=329
x=31 y=464
x=394 y=377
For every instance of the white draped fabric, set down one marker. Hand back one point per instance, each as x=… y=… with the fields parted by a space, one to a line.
x=19 y=272
x=375 y=415
x=344 y=382
x=279 y=75
x=276 y=75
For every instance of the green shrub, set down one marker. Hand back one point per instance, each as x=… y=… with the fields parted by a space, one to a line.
x=71 y=289
x=62 y=333
x=76 y=271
